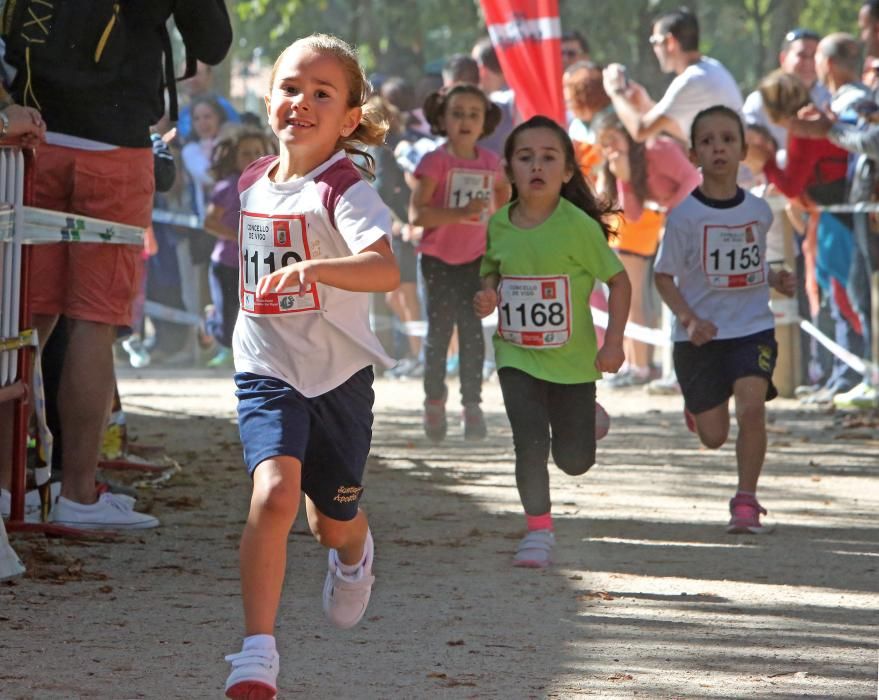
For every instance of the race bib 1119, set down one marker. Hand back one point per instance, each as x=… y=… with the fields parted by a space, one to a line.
x=535 y=312
x=732 y=257
x=266 y=244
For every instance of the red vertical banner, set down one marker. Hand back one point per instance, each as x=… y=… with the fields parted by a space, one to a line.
x=526 y=35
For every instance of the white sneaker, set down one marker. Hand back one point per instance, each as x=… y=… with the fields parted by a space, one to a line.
x=862 y=396
x=10 y=564
x=347 y=595
x=535 y=550
x=31 y=502
x=665 y=386
x=109 y=513
x=254 y=674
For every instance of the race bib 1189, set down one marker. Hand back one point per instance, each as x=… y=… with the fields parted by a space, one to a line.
x=535 y=312
x=267 y=243
x=732 y=258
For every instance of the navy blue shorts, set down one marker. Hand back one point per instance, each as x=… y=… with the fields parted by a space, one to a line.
x=329 y=434
x=707 y=373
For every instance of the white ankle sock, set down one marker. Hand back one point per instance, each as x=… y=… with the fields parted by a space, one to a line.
x=259 y=641
x=351 y=569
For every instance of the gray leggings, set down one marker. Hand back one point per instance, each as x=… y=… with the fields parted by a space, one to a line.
x=545 y=415
x=450 y=290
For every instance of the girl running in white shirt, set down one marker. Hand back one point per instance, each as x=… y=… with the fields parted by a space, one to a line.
x=313 y=239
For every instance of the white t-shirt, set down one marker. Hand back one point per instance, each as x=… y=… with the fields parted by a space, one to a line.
x=717 y=253
x=703 y=84
x=314 y=342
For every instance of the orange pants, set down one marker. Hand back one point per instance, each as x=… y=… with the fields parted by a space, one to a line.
x=91 y=281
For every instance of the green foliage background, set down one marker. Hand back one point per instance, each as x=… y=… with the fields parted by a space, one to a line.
x=405 y=36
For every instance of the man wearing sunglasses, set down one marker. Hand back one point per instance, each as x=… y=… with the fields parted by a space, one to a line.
x=574 y=48
x=701 y=82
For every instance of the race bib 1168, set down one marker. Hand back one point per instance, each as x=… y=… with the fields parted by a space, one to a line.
x=732 y=257
x=267 y=243
x=535 y=312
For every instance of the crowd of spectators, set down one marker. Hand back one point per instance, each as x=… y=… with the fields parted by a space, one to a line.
x=813 y=142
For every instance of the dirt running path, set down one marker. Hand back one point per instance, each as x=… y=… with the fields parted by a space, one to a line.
x=648 y=596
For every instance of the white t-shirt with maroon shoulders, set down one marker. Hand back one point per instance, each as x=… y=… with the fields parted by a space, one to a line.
x=317 y=340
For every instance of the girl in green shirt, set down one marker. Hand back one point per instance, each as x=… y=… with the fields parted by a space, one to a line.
x=545 y=251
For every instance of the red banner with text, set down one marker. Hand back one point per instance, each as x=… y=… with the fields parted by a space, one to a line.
x=526 y=35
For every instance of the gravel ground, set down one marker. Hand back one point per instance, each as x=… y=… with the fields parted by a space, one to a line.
x=648 y=596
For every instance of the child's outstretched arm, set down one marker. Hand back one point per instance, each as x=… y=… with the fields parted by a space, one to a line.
x=485 y=300
x=374 y=269
x=699 y=331
x=421 y=213
x=610 y=356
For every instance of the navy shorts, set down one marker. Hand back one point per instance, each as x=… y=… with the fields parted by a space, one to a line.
x=707 y=373
x=329 y=434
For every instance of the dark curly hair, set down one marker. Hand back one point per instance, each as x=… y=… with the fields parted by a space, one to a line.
x=436 y=103
x=576 y=190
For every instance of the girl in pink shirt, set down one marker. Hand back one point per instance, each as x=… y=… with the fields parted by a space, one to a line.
x=458 y=186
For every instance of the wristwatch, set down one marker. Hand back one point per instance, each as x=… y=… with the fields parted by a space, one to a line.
x=4 y=123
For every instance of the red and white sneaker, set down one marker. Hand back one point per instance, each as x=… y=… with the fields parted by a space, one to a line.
x=746 y=511
x=254 y=674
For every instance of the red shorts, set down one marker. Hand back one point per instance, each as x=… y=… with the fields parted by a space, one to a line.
x=91 y=281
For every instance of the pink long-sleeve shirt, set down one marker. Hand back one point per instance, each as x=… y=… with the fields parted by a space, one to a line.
x=670 y=178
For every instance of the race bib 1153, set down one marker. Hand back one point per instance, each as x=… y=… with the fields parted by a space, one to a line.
x=267 y=243
x=732 y=257
x=535 y=312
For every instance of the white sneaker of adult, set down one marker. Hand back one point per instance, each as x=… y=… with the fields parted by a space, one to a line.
x=110 y=512
x=861 y=396
x=254 y=674
x=346 y=596
x=10 y=564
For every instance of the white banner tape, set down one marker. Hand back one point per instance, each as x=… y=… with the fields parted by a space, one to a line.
x=47 y=226
x=783 y=309
x=651 y=336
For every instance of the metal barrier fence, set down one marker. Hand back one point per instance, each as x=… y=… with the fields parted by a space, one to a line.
x=22 y=226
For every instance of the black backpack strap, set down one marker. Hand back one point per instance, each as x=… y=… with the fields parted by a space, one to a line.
x=191 y=66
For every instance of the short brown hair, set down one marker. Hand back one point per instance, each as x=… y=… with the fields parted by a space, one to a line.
x=784 y=94
x=588 y=91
